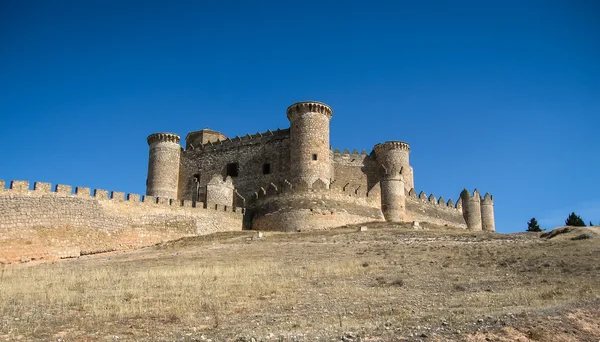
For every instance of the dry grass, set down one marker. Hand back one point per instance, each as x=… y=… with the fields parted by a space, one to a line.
x=383 y=282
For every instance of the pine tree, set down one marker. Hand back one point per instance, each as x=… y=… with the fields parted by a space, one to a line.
x=533 y=226
x=574 y=220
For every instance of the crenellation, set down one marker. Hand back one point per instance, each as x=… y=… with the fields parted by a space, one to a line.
x=412 y=193
x=82 y=192
x=422 y=196
x=442 y=202
x=149 y=199
x=19 y=186
x=63 y=189
x=100 y=194
x=163 y=201
x=117 y=195
x=42 y=187
x=431 y=199
x=133 y=198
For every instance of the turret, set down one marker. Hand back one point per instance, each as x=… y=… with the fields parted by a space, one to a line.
x=310 y=157
x=163 y=165
x=393 y=157
x=487 y=213
x=471 y=207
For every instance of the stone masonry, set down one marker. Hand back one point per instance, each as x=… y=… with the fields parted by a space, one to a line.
x=286 y=179
x=291 y=179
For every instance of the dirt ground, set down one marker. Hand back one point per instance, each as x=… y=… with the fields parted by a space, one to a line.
x=384 y=284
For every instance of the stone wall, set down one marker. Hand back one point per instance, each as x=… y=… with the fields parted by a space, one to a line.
x=251 y=153
x=355 y=168
x=430 y=209
x=40 y=223
x=307 y=207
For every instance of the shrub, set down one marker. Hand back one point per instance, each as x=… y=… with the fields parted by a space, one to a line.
x=574 y=220
x=533 y=226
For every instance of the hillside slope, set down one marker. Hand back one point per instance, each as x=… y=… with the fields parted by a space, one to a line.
x=383 y=284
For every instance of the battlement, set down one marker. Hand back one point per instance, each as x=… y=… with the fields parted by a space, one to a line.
x=391 y=145
x=346 y=153
x=163 y=137
x=487 y=199
x=476 y=196
x=237 y=141
x=346 y=190
x=20 y=187
x=432 y=200
x=308 y=107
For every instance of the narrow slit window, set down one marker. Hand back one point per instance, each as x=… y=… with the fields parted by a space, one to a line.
x=266 y=169
x=233 y=169
x=314 y=156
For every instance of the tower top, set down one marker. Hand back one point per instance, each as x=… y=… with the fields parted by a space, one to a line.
x=309 y=106
x=391 y=145
x=163 y=137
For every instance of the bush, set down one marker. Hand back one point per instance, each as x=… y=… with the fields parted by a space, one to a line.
x=533 y=226
x=574 y=220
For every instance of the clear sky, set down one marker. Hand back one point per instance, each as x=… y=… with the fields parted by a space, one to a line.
x=503 y=96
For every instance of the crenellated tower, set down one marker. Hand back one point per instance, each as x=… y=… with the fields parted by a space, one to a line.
x=310 y=157
x=471 y=206
x=163 y=165
x=393 y=157
x=487 y=213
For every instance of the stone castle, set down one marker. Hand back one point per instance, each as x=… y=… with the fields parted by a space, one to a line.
x=282 y=180
x=290 y=179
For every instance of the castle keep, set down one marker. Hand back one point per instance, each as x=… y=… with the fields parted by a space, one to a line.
x=290 y=179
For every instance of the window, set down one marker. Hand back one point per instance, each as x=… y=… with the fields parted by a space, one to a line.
x=315 y=156
x=266 y=169
x=233 y=169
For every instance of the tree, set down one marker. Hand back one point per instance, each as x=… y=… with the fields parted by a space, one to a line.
x=574 y=220
x=533 y=226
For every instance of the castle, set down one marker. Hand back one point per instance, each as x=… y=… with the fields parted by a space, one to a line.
x=282 y=180
x=291 y=180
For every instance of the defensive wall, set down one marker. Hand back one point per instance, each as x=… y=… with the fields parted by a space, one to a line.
x=303 y=206
x=44 y=222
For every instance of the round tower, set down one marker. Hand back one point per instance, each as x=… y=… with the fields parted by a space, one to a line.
x=471 y=207
x=487 y=213
x=393 y=156
x=163 y=165
x=310 y=157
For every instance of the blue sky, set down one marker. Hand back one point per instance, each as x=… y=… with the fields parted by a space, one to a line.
x=503 y=96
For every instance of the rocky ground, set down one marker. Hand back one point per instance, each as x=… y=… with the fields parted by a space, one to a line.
x=388 y=283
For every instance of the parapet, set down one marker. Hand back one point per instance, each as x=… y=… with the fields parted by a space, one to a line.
x=249 y=139
x=343 y=190
x=41 y=189
x=308 y=107
x=163 y=137
x=391 y=145
x=487 y=199
x=432 y=200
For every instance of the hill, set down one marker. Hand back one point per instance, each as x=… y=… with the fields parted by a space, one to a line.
x=384 y=284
